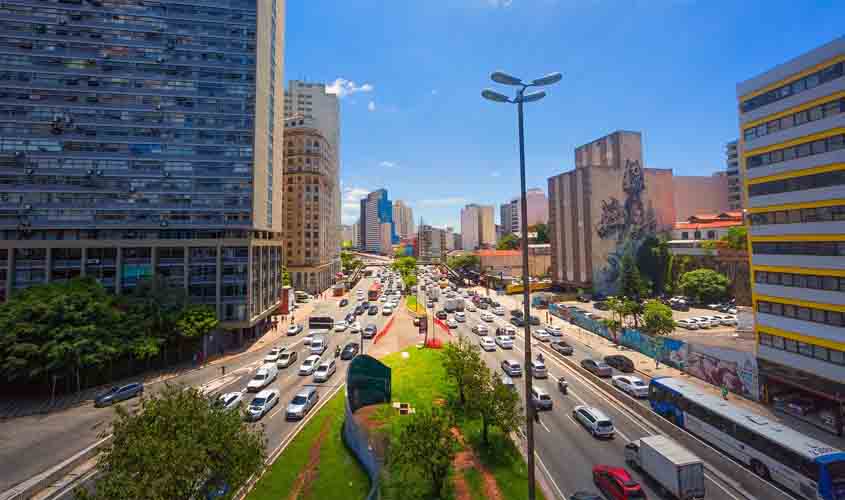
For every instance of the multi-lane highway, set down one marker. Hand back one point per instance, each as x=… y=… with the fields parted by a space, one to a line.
x=566 y=451
x=67 y=432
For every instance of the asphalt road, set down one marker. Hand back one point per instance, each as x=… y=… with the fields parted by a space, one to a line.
x=31 y=445
x=565 y=450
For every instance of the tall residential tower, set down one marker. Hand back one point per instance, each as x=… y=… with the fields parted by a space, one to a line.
x=377 y=229
x=478 y=226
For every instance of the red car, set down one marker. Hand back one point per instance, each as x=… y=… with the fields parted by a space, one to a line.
x=616 y=483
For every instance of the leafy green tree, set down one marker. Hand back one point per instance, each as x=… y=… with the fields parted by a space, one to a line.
x=286 y=280
x=467 y=261
x=615 y=322
x=631 y=283
x=542 y=231
x=657 y=319
x=737 y=238
x=496 y=404
x=197 y=321
x=463 y=364
x=705 y=285
x=508 y=242
x=176 y=446
x=425 y=446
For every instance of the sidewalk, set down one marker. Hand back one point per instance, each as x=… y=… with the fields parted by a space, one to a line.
x=645 y=367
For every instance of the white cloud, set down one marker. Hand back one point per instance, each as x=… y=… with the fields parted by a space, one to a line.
x=343 y=87
x=495 y=173
x=388 y=164
x=443 y=202
x=352 y=203
x=371 y=106
x=499 y=3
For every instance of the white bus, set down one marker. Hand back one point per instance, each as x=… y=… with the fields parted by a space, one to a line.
x=805 y=466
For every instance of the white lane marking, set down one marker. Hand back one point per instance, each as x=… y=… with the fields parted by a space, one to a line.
x=549 y=475
x=544 y=426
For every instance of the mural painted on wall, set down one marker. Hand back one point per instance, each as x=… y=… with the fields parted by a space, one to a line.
x=629 y=223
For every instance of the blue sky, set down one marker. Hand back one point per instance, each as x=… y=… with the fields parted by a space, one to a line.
x=411 y=72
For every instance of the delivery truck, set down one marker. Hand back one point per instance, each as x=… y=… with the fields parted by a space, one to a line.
x=671 y=465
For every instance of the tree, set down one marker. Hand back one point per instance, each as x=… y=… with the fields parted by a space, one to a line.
x=425 y=444
x=542 y=231
x=463 y=364
x=737 y=238
x=176 y=445
x=704 y=285
x=197 y=321
x=614 y=323
x=657 y=322
x=496 y=404
x=407 y=269
x=286 y=280
x=467 y=261
x=508 y=242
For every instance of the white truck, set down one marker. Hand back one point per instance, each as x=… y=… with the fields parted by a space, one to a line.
x=671 y=465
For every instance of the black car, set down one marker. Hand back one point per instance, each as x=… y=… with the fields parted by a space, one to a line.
x=516 y=313
x=369 y=331
x=583 y=298
x=373 y=310
x=585 y=495
x=620 y=362
x=562 y=347
x=679 y=306
x=442 y=314
x=119 y=393
x=365 y=304
x=517 y=321
x=495 y=304
x=482 y=305
x=601 y=306
x=343 y=303
x=350 y=317
x=359 y=310
x=534 y=320
x=349 y=351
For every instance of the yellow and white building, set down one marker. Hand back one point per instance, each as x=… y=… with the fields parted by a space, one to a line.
x=792 y=138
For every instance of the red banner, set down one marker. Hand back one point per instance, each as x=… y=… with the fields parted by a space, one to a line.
x=384 y=330
x=443 y=326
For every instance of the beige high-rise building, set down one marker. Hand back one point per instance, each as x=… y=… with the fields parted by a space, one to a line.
x=700 y=194
x=403 y=218
x=478 y=226
x=538 y=211
x=312 y=251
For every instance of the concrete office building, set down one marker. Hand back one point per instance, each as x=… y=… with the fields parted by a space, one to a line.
x=312 y=246
x=145 y=139
x=511 y=212
x=346 y=233
x=431 y=244
x=700 y=194
x=478 y=227
x=792 y=146
x=356 y=235
x=403 y=218
x=736 y=190
x=603 y=208
x=376 y=210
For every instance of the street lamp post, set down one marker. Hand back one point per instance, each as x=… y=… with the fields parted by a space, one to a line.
x=519 y=100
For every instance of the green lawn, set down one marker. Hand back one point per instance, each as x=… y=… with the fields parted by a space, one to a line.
x=413 y=305
x=339 y=476
x=419 y=380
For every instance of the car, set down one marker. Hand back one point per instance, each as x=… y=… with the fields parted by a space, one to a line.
x=274 y=354
x=373 y=310
x=469 y=307
x=585 y=298
x=687 y=324
x=538 y=369
x=325 y=371
x=541 y=335
x=119 y=393
x=262 y=403
x=262 y=378
x=355 y=327
x=349 y=351
x=801 y=406
x=594 y=421
x=506 y=330
x=480 y=329
x=350 y=317
x=309 y=365
x=441 y=314
x=318 y=345
x=387 y=311
x=517 y=321
x=369 y=331
x=679 y=306
x=554 y=331
x=460 y=317
x=620 y=362
x=416 y=321
x=585 y=495
x=597 y=367
x=533 y=321
x=701 y=322
x=499 y=311
x=430 y=304
x=302 y=403
x=383 y=298
x=617 y=483
x=512 y=368
x=602 y=306
x=486 y=316
x=359 y=294
x=230 y=400
x=343 y=303
x=483 y=306
x=487 y=344
x=561 y=347
x=286 y=359
x=633 y=386
x=715 y=321
x=359 y=310
x=451 y=323
x=541 y=399
x=294 y=329
x=306 y=340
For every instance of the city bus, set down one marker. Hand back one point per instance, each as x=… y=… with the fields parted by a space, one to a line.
x=321 y=323
x=805 y=466
x=374 y=292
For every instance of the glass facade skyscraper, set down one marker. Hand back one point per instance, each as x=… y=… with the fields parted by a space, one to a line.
x=141 y=139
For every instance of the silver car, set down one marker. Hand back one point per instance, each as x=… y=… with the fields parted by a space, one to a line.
x=594 y=421
x=262 y=403
x=302 y=403
x=541 y=399
x=512 y=368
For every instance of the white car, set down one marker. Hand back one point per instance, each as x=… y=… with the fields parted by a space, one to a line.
x=262 y=378
x=728 y=320
x=294 y=329
x=487 y=343
x=469 y=307
x=504 y=341
x=386 y=311
x=687 y=324
x=460 y=317
x=486 y=316
x=306 y=340
x=309 y=365
x=273 y=355
x=341 y=326
x=451 y=323
x=480 y=329
x=634 y=386
x=355 y=327
x=325 y=371
x=383 y=298
x=554 y=331
x=231 y=400
x=594 y=420
x=499 y=311
x=263 y=402
x=715 y=320
x=540 y=335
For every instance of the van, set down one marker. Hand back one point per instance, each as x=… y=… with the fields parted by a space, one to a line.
x=538 y=369
x=318 y=345
x=262 y=378
x=594 y=420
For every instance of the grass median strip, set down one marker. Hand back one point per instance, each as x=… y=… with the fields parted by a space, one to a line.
x=316 y=464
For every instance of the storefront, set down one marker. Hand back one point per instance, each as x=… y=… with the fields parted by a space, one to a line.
x=808 y=397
